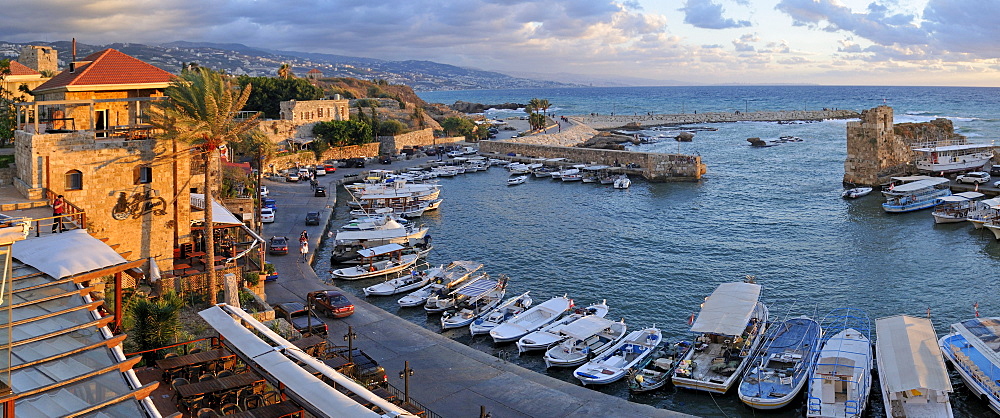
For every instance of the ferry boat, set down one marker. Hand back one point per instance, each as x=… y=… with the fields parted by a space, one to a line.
x=953 y=158
x=984 y=211
x=955 y=208
x=972 y=349
x=911 y=369
x=916 y=193
x=781 y=369
x=841 y=379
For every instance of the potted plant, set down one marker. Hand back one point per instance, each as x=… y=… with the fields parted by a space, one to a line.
x=271 y=273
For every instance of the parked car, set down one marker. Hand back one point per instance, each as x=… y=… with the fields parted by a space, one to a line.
x=320 y=191
x=270 y=203
x=354 y=162
x=995 y=170
x=304 y=173
x=292 y=176
x=975 y=177
x=300 y=318
x=312 y=218
x=385 y=159
x=332 y=304
x=277 y=245
x=360 y=366
x=329 y=168
x=319 y=171
x=266 y=215
x=263 y=191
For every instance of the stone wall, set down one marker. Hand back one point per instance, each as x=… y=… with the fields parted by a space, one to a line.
x=391 y=145
x=308 y=111
x=337 y=153
x=569 y=134
x=652 y=166
x=621 y=121
x=7 y=175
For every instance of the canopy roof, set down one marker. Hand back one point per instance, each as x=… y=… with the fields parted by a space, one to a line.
x=953 y=198
x=66 y=254
x=220 y=215
x=919 y=184
x=984 y=333
x=728 y=309
x=476 y=288
x=586 y=326
x=909 y=355
x=954 y=147
x=910 y=178
x=380 y=250
x=970 y=195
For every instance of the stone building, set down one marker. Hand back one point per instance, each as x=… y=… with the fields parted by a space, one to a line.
x=314 y=74
x=21 y=75
x=307 y=111
x=40 y=58
x=874 y=151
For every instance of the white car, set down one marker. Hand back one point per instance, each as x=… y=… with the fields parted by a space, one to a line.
x=263 y=191
x=267 y=215
x=975 y=177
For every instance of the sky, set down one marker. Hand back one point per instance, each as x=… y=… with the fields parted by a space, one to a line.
x=834 y=42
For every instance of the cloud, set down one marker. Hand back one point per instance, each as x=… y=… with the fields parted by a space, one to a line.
x=708 y=15
x=964 y=26
x=877 y=25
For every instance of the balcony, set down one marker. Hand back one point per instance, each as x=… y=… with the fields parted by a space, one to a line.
x=106 y=119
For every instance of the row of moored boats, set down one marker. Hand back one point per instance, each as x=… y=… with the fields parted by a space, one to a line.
x=584 y=173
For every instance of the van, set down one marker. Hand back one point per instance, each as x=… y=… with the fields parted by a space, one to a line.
x=468 y=151
x=304 y=172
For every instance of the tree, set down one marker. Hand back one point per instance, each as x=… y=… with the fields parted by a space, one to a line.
x=200 y=113
x=8 y=115
x=152 y=323
x=536 y=120
x=455 y=125
x=285 y=71
x=339 y=133
x=269 y=92
x=544 y=105
x=390 y=127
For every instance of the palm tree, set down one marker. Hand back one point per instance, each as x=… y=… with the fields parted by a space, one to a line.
x=153 y=323
x=544 y=105
x=200 y=113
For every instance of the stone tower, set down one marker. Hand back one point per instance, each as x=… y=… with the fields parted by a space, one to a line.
x=874 y=152
x=40 y=58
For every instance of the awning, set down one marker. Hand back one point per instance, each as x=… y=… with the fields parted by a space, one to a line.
x=380 y=250
x=301 y=141
x=961 y=147
x=67 y=254
x=728 y=309
x=909 y=355
x=953 y=198
x=970 y=195
x=220 y=215
x=918 y=185
x=586 y=326
x=476 y=288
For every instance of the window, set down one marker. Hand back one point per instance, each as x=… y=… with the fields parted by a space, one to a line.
x=143 y=175
x=74 y=180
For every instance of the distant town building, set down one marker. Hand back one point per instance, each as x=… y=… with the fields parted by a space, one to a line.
x=40 y=58
x=315 y=110
x=314 y=74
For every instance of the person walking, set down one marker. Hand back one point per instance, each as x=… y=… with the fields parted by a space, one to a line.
x=58 y=208
x=304 y=250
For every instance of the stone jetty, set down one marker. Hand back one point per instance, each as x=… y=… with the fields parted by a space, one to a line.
x=642 y=121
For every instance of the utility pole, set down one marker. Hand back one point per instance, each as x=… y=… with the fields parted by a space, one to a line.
x=405 y=375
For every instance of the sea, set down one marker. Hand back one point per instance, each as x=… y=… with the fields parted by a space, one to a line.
x=656 y=250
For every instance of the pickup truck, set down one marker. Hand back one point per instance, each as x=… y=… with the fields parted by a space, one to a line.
x=298 y=315
x=359 y=366
x=332 y=303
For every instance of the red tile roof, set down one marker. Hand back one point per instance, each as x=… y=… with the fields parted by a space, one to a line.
x=108 y=67
x=17 y=68
x=314 y=71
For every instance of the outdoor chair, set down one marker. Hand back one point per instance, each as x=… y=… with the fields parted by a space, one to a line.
x=194 y=351
x=224 y=373
x=206 y=377
x=207 y=413
x=227 y=398
x=193 y=404
x=251 y=402
x=228 y=364
x=271 y=397
x=171 y=355
x=229 y=409
x=177 y=382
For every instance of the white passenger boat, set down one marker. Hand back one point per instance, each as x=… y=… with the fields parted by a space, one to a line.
x=442 y=279
x=953 y=158
x=911 y=369
x=955 y=208
x=498 y=315
x=840 y=382
x=781 y=368
x=984 y=211
x=513 y=181
x=473 y=301
x=518 y=169
x=588 y=337
x=443 y=300
x=532 y=319
x=731 y=324
x=856 y=192
x=592 y=173
x=370 y=222
x=401 y=284
x=391 y=232
x=616 y=361
x=916 y=193
x=396 y=262
x=993 y=225
x=552 y=334
x=565 y=172
x=972 y=348
x=622 y=182
x=572 y=177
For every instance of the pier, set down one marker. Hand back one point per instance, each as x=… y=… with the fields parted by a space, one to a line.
x=605 y=122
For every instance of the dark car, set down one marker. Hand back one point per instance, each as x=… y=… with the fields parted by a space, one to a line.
x=354 y=162
x=278 y=245
x=332 y=303
x=299 y=316
x=357 y=365
x=320 y=191
x=312 y=218
x=270 y=203
x=385 y=159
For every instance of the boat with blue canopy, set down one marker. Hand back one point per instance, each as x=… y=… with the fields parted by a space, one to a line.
x=781 y=368
x=973 y=347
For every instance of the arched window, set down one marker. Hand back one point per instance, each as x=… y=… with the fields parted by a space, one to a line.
x=74 y=180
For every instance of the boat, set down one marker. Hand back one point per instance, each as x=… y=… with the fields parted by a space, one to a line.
x=348 y=254
x=552 y=334
x=442 y=279
x=607 y=178
x=731 y=323
x=513 y=181
x=400 y=284
x=856 y=192
x=499 y=314
x=572 y=177
x=614 y=363
x=472 y=301
x=391 y=232
x=655 y=371
x=952 y=158
x=592 y=173
x=565 y=172
x=370 y=222
x=445 y=299
x=543 y=172
x=531 y=320
x=984 y=211
x=622 y=182
x=781 y=368
x=916 y=193
x=368 y=268
x=588 y=337
x=518 y=169
x=911 y=370
x=841 y=379
x=971 y=348
x=955 y=208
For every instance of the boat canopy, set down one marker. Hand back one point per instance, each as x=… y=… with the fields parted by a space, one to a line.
x=970 y=195
x=990 y=202
x=380 y=250
x=961 y=147
x=596 y=167
x=476 y=288
x=586 y=326
x=399 y=195
x=727 y=310
x=953 y=198
x=469 y=266
x=919 y=185
x=908 y=179
x=983 y=333
x=376 y=234
x=910 y=355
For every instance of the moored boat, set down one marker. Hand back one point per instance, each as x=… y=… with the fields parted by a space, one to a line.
x=781 y=368
x=616 y=361
x=445 y=299
x=473 y=301
x=971 y=348
x=622 y=182
x=984 y=211
x=396 y=262
x=399 y=285
x=856 y=192
x=552 y=334
x=530 y=320
x=442 y=279
x=499 y=314
x=840 y=381
x=911 y=369
x=952 y=157
x=655 y=371
x=513 y=181
x=955 y=208
x=588 y=337
x=916 y=193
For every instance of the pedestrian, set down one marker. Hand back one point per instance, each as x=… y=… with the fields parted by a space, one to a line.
x=58 y=208
x=304 y=236
x=304 y=250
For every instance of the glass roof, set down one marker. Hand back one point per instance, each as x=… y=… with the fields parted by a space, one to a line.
x=74 y=397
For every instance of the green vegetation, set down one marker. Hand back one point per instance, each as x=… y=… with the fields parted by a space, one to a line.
x=455 y=125
x=268 y=93
x=152 y=323
x=6 y=160
x=535 y=119
x=339 y=133
x=8 y=117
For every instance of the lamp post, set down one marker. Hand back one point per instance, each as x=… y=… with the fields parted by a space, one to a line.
x=349 y=337
x=405 y=375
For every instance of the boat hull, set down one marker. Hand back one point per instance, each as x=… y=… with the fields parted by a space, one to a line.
x=359 y=272
x=995 y=228
x=968 y=377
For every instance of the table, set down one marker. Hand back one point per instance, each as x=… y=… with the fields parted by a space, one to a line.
x=221 y=384
x=181 y=267
x=195 y=255
x=311 y=341
x=192 y=359
x=277 y=410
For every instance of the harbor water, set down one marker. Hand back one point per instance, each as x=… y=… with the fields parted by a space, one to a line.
x=656 y=250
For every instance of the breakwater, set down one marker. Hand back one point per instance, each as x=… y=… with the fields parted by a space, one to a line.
x=636 y=121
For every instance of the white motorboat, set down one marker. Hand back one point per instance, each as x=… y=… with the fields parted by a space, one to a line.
x=588 y=337
x=572 y=177
x=531 y=319
x=442 y=279
x=566 y=172
x=955 y=208
x=445 y=299
x=856 y=192
x=498 y=315
x=553 y=333
x=622 y=182
x=391 y=232
x=399 y=285
x=370 y=222
x=916 y=193
x=841 y=380
x=518 y=169
x=616 y=361
x=473 y=301
x=731 y=323
x=984 y=211
x=397 y=262
x=513 y=181
x=970 y=347
x=655 y=372
x=911 y=369
x=781 y=369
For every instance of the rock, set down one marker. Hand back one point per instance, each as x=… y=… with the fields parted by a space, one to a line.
x=684 y=137
x=756 y=142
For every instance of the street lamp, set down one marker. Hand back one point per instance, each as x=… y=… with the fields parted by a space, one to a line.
x=405 y=375
x=349 y=337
